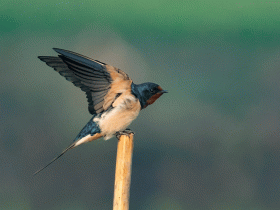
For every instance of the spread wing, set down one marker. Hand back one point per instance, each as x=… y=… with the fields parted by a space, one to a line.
x=102 y=83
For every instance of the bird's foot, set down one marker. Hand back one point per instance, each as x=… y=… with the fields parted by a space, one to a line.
x=126 y=132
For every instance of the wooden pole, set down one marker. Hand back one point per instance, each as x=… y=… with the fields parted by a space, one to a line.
x=123 y=172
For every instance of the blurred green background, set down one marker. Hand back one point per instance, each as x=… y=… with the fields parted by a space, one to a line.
x=212 y=142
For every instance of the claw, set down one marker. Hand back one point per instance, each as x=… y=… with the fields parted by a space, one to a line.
x=126 y=132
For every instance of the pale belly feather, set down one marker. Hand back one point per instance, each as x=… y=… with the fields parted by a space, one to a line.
x=126 y=109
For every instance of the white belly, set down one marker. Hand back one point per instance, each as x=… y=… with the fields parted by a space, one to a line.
x=120 y=117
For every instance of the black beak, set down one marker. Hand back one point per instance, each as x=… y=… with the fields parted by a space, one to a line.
x=163 y=91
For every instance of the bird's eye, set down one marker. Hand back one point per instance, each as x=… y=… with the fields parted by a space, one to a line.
x=152 y=90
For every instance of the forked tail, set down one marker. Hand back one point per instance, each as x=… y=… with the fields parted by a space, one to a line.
x=89 y=133
x=63 y=152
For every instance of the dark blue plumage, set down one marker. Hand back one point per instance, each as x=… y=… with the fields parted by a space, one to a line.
x=90 y=128
x=145 y=91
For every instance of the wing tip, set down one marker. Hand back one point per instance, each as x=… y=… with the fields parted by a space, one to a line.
x=60 y=51
x=42 y=58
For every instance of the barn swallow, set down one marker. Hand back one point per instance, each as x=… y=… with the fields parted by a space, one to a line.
x=113 y=99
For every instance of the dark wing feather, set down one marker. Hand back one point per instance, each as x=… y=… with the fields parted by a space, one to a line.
x=92 y=76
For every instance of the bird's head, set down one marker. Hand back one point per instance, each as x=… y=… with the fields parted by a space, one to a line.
x=147 y=93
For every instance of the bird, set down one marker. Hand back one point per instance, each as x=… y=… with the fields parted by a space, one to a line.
x=114 y=101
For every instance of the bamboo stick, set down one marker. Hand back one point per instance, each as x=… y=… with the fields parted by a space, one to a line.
x=123 y=172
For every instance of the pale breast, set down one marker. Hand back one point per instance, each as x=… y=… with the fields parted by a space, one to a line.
x=125 y=109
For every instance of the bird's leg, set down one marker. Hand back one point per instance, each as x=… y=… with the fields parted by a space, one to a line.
x=126 y=132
